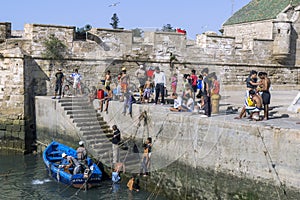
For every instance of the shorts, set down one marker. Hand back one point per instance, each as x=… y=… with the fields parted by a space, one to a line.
x=124 y=87
x=266 y=97
x=76 y=85
x=194 y=87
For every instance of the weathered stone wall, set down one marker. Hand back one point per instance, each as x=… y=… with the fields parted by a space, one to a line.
x=246 y=32
x=12 y=133
x=223 y=157
x=5 y=30
x=51 y=123
x=25 y=73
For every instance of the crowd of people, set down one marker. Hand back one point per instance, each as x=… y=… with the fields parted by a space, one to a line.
x=195 y=95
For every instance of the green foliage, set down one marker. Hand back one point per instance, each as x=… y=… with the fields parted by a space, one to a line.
x=168 y=28
x=137 y=32
x=55 y=48
x=114 y=21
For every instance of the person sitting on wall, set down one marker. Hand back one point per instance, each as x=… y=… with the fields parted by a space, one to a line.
x=178 y=107
x=107 y=98
x=255 y=110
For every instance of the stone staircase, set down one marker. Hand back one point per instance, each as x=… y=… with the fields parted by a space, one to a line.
x=97 y=134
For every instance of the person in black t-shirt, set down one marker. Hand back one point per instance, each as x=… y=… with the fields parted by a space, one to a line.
x=58 y=83
x=115 y=141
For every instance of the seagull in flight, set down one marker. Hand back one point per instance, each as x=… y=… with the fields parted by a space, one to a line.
x=114 y=4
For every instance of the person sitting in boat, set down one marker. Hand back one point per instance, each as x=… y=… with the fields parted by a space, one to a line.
x=70 y=162
x=82 y=154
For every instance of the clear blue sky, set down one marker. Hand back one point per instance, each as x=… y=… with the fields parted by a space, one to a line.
x=195 y=16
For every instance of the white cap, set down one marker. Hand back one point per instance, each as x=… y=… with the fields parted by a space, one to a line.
x=141 y=66
x=63 y=155
x=81 y=143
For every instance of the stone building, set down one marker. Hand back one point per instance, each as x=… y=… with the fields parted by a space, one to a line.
x=260 y=36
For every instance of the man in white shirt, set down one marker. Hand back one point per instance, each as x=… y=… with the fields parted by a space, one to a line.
x=76 y=84
x=160 y=85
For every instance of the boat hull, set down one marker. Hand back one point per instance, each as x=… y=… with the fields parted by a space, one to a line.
x=52 y=158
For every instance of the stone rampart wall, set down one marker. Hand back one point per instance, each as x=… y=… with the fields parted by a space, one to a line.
x=247 y=153
x=248 y=31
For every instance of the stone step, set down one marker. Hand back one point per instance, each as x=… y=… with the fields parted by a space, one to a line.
x=98 y=140
x=96 y=137
x=71 y=112
x=86 y=119
x=93 y=133
x=76 y=104
x=88 y=124
x=91 y=128
x=85 y=108
x=73 y=99
x=106 y=146
x=83 y=115
x=106 y=126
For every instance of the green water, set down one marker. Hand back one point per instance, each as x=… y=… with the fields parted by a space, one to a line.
x=25 y=177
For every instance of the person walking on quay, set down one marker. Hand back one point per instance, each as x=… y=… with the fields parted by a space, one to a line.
x=160 y=85
x=129 y=100
x=115 y=141
x=58 y=84
x=76 y=82
x=265 y=84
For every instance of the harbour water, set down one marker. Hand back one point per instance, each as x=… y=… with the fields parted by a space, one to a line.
x=25 y=177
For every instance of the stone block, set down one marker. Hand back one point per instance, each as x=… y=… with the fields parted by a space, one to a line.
x=22 y=122
x=22 y=135
x=9 y=127
x=15 y=134
x=16 y=122
x=2 y=127
x=16 y=128
x=2 y=134
x=8 y=121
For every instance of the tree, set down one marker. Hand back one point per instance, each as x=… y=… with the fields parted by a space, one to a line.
x=114 y=21
x=137 y=32
x=168 y=28
x=55 y=49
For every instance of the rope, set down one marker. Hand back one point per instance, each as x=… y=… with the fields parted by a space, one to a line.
x=156 y=187
x=268 y=156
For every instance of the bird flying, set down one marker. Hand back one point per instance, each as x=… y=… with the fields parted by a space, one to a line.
x=114 y=4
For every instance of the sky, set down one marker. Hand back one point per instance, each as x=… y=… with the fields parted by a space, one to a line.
x=195 y=16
